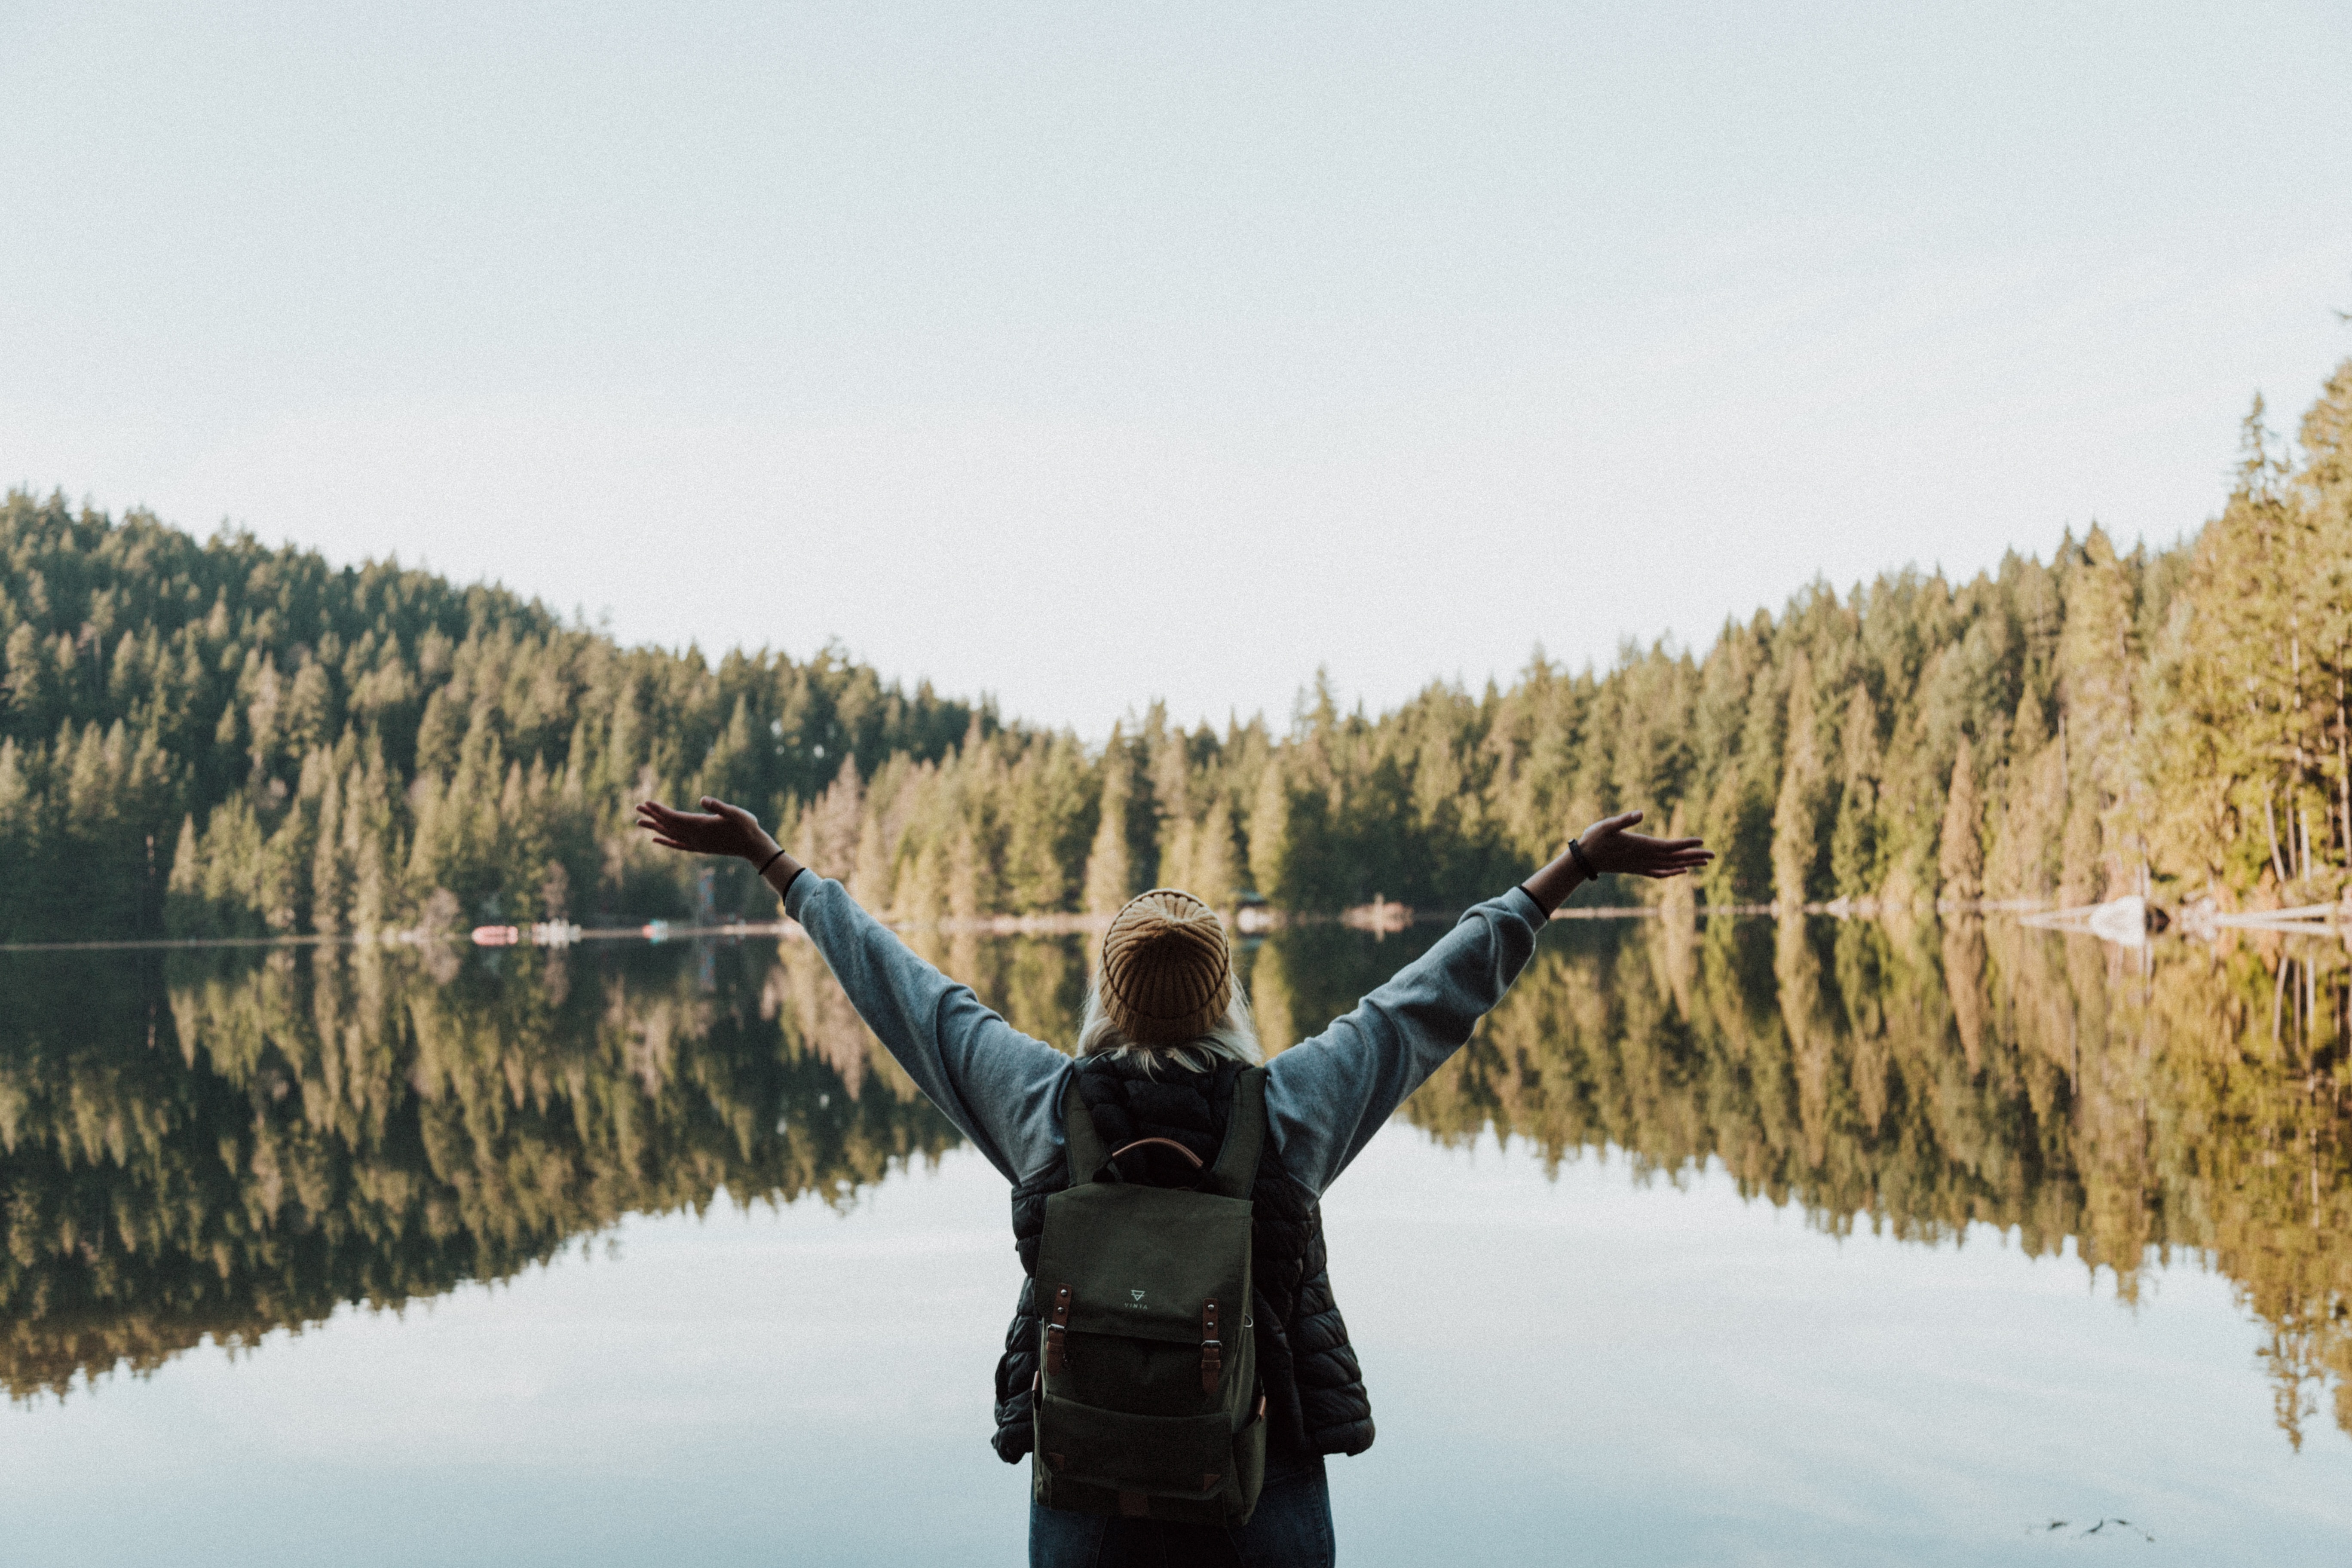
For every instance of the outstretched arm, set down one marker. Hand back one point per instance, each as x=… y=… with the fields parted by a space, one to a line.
x=1001 y=1088
x=1326 y=1097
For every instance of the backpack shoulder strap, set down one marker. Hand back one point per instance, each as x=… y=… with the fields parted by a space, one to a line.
x=1083 y=1145
x=1236 y=1167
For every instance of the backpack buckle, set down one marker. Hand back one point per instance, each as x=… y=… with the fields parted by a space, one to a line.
x=1212 y=1350
x=1057 y=1354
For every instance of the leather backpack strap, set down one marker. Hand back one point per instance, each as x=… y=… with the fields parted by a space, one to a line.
x=1080 y=1142
x=1236 y=1168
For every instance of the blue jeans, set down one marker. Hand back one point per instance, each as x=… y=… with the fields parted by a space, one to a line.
x=1290 y=1529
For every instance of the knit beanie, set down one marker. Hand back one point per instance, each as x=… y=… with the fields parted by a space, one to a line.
x=1167 y=971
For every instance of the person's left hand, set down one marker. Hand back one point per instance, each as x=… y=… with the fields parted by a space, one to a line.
x=718 y=830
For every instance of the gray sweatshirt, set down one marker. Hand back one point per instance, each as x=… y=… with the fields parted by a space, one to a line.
x=1325 y=1097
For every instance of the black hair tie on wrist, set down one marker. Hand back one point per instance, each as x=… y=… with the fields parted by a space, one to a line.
x=1576 y=853
x=771 y=860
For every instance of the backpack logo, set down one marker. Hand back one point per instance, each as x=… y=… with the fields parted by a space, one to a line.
x=1137 y=1298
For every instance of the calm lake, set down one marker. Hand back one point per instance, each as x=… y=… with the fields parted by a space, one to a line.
x=1822 y=1242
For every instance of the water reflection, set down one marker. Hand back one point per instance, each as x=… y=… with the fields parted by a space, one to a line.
x=199 y=1145
x=220 y=1146
x=1917 y=1077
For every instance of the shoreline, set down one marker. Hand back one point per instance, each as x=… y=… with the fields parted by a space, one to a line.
x=2128 y=921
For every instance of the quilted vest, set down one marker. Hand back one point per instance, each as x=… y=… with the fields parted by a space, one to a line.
x=1315 y=1402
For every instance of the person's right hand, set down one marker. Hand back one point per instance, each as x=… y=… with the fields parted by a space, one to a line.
x=1612 y=849
x=718 y=830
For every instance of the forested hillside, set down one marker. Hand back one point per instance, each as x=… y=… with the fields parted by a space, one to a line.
x=212 y=737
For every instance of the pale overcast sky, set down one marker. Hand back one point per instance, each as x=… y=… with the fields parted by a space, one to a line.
x=1089 y=353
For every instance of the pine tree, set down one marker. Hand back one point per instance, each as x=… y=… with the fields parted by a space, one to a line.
x=330 y=867
x=2098 y=667
x=1959 y=854
x=1110 y=877
x=1215 y=878
x=1857 y=840
x=1270 y=844
x=1806 y=802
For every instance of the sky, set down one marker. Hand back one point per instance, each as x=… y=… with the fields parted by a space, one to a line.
x=1083 y=355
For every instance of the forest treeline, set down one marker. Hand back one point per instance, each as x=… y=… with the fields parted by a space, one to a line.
x=224 y=1143
x=210 y=737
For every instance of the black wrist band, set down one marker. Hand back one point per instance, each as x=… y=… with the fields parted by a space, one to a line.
x=771 y=860
x=1576 y=853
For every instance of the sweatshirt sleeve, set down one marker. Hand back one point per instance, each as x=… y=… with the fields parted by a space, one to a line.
x=1001 y=1088
x=1327 y=1096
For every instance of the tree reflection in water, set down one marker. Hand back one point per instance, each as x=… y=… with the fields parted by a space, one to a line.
x=1918 y=1079
x=214 y=1144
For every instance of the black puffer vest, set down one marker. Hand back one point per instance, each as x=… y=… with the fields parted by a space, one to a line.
x=1315 y=1396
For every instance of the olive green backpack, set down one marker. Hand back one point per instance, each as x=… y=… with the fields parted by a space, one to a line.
x=1146 y=1400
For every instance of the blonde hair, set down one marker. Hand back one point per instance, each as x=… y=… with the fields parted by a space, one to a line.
x=1233 y=1037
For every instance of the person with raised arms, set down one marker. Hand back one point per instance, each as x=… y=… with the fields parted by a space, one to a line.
x=1177 y=1125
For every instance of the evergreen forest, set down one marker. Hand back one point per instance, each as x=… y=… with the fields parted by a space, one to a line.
x=212 y=738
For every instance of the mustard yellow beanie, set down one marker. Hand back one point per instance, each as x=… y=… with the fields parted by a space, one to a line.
x=1167 y=971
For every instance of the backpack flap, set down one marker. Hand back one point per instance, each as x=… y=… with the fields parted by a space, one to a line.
x=1142 y=1262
